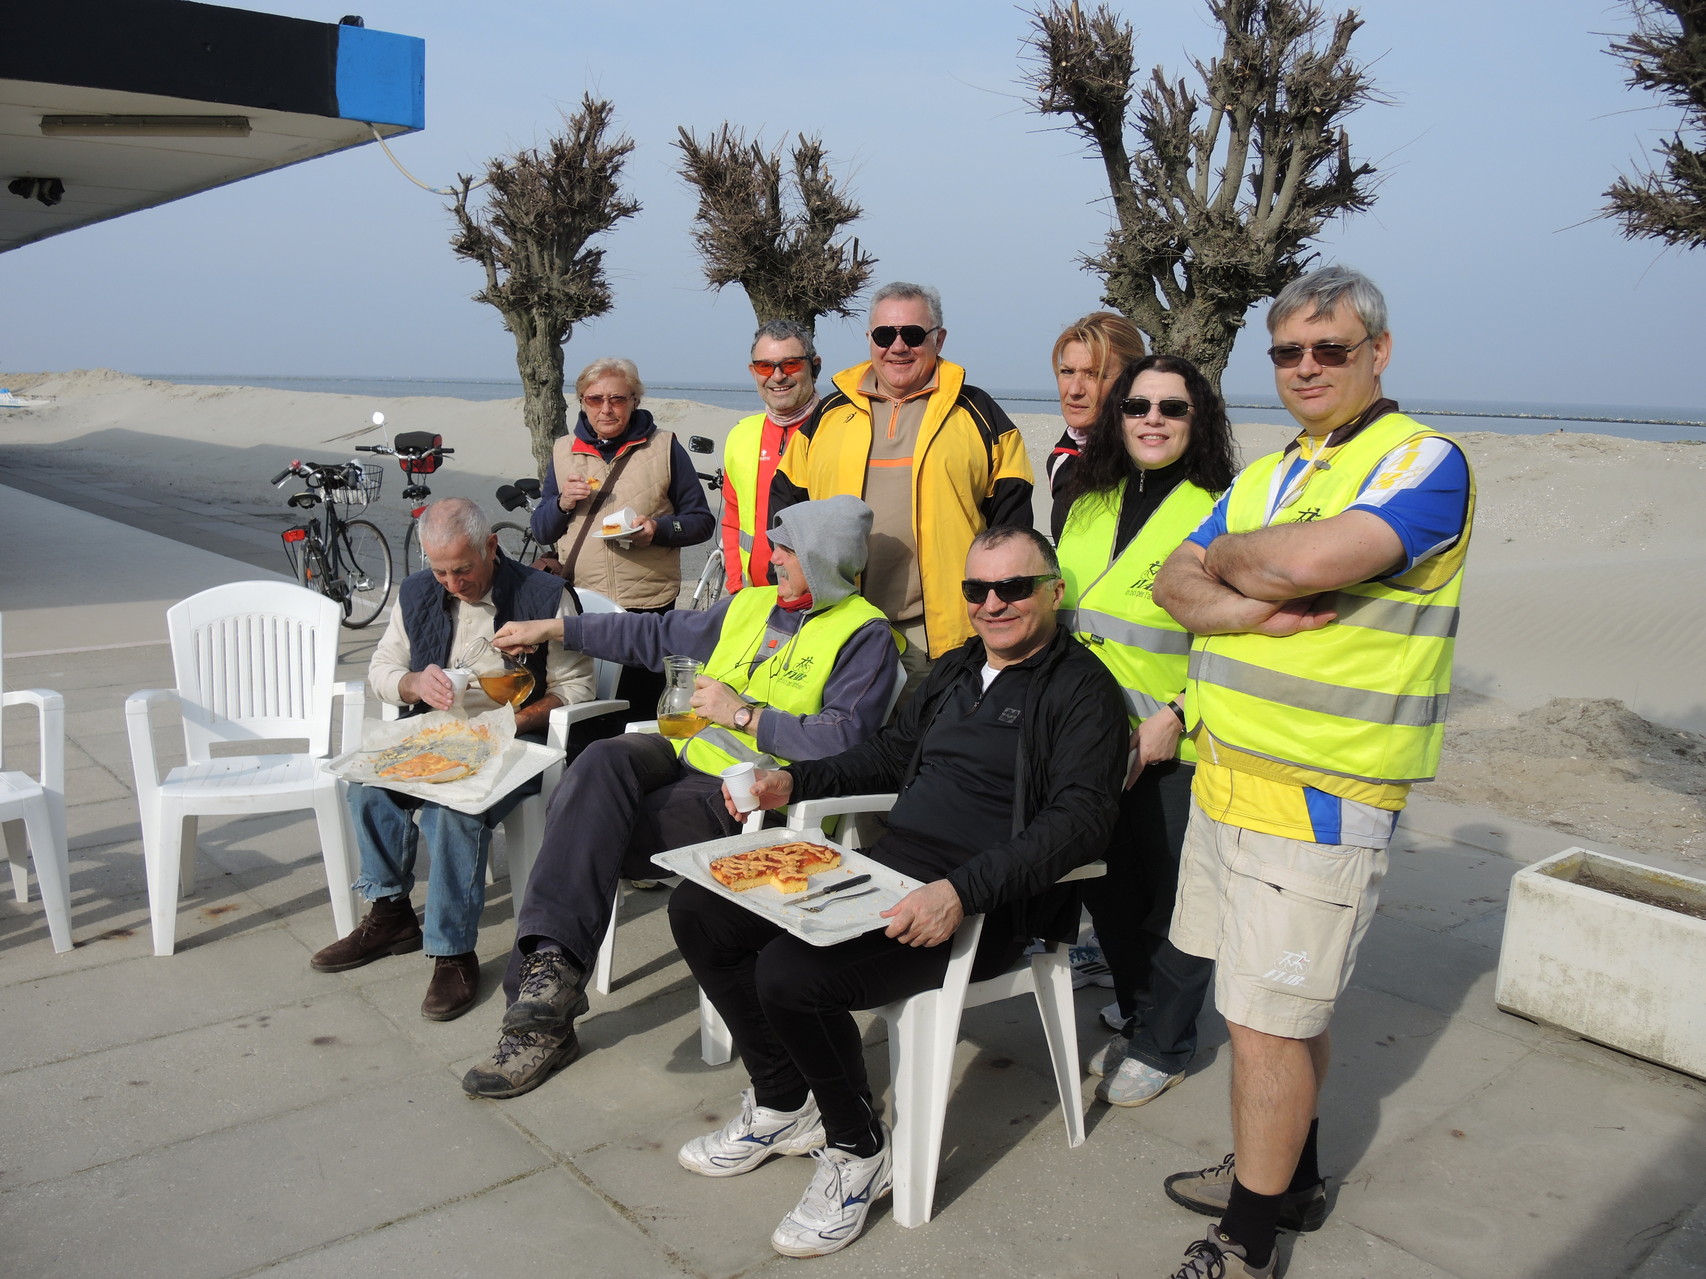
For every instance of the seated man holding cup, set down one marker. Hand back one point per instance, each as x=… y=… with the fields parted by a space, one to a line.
x=799 y=670
x=1008 y=763
x=470 y=590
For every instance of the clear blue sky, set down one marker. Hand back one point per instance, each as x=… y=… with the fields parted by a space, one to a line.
x=1504 y=124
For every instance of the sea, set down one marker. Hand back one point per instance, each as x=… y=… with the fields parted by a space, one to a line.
x=1635 y=422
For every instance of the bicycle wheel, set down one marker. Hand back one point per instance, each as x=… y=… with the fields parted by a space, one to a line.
x=710 y=587
x=365 y=562
x=517 y=542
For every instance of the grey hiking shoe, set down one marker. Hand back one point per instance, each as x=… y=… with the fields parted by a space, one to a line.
x=1108 y=1056
x=520 y=1063
x=551 y=994
x=1210 y=1190
x=1134 y=1084
x=1215 y=1256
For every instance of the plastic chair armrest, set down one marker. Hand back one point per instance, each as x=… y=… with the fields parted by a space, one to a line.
x=586 y=710
x=807 y=812
x=1089 y=870
x=141 y=732
x=354 y=694
x=50 y=712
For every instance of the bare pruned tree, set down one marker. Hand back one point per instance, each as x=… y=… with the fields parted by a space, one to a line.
x=774 y=238
x=1221 y=187
x=541 y=209
x=1666 y=54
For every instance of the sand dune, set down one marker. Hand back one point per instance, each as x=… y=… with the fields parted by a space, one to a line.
x=1587 y=579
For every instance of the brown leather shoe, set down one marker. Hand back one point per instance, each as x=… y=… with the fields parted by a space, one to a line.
x=388 y=928
x=455 y=982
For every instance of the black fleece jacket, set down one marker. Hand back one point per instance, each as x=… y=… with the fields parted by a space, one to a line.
x=1072 y=759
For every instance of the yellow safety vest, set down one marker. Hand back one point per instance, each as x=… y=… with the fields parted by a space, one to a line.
x=1110 y=600
x=1365 y=696
x=740 y=469
x=791 y=680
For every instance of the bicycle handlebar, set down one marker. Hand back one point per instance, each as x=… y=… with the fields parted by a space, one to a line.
x=283 y=475
x=411 y=455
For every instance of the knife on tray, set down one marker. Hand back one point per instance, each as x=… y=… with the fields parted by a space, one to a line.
x=833 y=888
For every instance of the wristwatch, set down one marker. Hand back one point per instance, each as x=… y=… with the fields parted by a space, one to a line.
x=743 y=717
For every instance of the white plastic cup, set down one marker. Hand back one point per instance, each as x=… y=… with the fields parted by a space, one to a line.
x=460 y=677
x=739 y=778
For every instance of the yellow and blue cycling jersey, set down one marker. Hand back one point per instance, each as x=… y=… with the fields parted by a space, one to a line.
x=1421 y=489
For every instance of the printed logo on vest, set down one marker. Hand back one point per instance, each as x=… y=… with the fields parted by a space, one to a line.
x=797 y=671
x=1010 y=715
x=1145 y=583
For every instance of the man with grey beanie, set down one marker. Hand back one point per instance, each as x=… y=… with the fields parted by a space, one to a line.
x=800 y=670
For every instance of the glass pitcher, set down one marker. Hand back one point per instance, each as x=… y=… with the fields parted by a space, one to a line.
x=676 y=716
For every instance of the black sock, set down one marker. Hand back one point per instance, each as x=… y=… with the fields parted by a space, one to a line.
x=786 y=1102
x=1252 y=1222
x=1308 y=1172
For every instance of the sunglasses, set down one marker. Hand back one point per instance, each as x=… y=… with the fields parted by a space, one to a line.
x=599 y=401
x=1009 y=590
x=911 y=334
x=769 y=368
x=1329 y=355
x=1138 y=406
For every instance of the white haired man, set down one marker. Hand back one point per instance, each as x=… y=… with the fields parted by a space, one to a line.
x=470 y=590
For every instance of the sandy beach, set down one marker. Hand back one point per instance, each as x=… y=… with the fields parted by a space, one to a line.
x=1580 y=668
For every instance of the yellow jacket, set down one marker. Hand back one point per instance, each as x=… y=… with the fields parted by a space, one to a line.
x=969 y=473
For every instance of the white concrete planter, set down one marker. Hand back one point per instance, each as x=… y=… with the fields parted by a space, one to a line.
x=1623 y=973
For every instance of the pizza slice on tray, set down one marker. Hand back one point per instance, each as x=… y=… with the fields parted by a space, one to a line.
x=785 y=867
x=447 y=753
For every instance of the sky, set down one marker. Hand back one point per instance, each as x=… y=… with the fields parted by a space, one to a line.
x=1501 y=125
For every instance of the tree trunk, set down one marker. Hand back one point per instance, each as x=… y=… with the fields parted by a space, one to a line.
x=540 y=362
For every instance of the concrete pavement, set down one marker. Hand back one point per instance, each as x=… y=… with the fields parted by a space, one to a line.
x=227 y=1111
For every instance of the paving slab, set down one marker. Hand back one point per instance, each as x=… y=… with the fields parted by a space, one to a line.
x=249 y=1195
x=1552 y=1169
x=128 y=1099
x=546 y=1223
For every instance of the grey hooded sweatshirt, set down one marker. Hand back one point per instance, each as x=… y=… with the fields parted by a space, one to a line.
x=829 y=538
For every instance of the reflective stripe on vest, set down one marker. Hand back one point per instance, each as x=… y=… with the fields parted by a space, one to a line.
x=740 y=468
x=792 y=680
x=1109 y=604
x=1365 y=696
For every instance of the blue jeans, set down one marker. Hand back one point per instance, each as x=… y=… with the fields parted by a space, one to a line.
x=386 y=833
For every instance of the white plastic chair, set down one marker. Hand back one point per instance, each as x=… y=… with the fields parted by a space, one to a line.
x=32 y=809
x=254 y=661
x=524 y=825
x=924 y=1029
x=606 y=959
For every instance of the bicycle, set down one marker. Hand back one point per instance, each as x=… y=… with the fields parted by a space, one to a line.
x=517 y=540
x=349 y=561
x=418 y=453
x=713 y=577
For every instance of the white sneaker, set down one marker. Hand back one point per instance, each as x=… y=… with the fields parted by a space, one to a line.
x=832 y=1212
x=1089 y=967
x=753 y=1136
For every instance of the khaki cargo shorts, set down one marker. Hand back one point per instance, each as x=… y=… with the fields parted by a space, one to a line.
x=1281 y=918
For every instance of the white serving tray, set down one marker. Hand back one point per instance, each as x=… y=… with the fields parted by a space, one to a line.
x=841 y=922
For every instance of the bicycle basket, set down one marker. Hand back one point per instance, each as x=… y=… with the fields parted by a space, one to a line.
x=418 y=442
x=360 y=486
